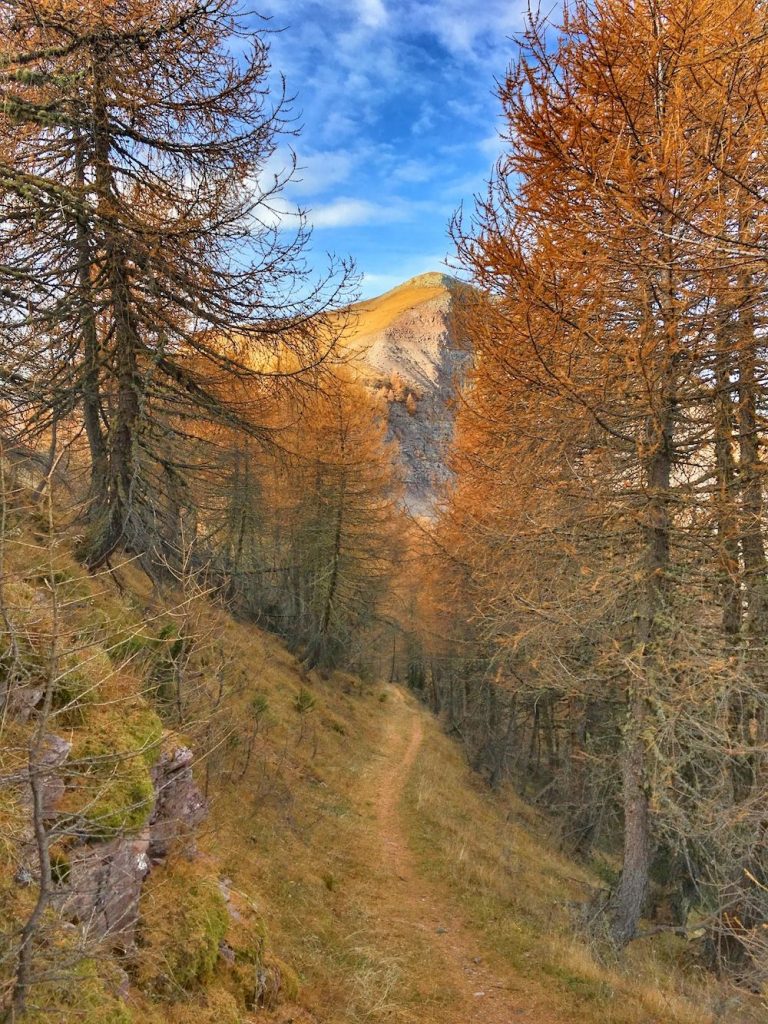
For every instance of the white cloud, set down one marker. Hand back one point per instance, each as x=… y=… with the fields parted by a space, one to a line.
x=415 y=172
x=471 y=30
x=491 y=146
x=317 y=172
x=277 y=212
x=347 y=213
x=426 y=120
x=351 y=57
x=396 y=103
x=373 y=13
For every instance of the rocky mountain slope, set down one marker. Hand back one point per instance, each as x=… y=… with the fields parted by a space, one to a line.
x=408 y=353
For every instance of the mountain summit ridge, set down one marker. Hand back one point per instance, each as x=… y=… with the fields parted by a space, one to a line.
x=429 y=279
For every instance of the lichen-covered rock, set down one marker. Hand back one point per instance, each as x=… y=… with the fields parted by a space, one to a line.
x=274 y=982
x=179 y=804
x=54 y=751
x=101 y=882
x=102 y=886
x=23 y=700
x=53 y=754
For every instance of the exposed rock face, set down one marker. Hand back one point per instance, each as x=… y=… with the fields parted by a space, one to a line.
x=413 y=360
x=23 y=700
x=99 y=883
x=55 y=752
x=103 y=887
x=179 y=805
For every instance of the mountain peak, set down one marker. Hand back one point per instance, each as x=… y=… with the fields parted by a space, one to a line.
x=432 y=279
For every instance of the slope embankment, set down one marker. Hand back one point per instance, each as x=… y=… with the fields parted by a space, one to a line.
x=338 y=863
x=402 y=890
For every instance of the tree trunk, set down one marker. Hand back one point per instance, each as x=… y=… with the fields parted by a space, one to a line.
x=656 y=453
x=726 y=508
x=91 y=387
x=318 y=648
x=750 y=469
x=117 y=498
x=635 y=866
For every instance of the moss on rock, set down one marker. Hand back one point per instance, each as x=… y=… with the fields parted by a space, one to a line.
x=111 y=789
x=88 y=993
x=183 y=920
x=217 y=1007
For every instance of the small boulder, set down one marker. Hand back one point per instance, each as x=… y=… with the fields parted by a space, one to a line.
x=23 y=700
x=55 y=752
x=179 y=804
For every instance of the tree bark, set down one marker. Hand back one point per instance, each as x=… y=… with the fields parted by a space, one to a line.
x=91 y=387
x=119 y=492
x=750 y=469
x=658 y=445
x=726 y=507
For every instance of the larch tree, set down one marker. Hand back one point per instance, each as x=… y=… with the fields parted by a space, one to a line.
x=617 y=383
x=135 y=174
x=302 y=521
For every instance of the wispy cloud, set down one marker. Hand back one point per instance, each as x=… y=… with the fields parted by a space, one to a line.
x=396 y=99
x=317 y=172
x=350 y=213
x=491 y=146
x=467 y=30
x=416 y=172
x=373 y=13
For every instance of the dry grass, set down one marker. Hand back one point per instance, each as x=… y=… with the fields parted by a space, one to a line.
x=292 y=830
x=376 y=314
x=292 y=835
x=497 y=861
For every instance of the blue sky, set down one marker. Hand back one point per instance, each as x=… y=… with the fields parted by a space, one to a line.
x=399 y=121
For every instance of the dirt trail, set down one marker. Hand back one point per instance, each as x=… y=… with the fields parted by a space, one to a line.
x=482 y=995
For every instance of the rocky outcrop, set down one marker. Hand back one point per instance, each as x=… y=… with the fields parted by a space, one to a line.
x=53 y=754
x=22 y=701
x=103 y=886
x=99 y=883
x=179 y=805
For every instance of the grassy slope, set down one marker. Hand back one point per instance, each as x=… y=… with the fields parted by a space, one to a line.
x=376 y=314
x=293 y=838
x=496 y=858
x=296 y=833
